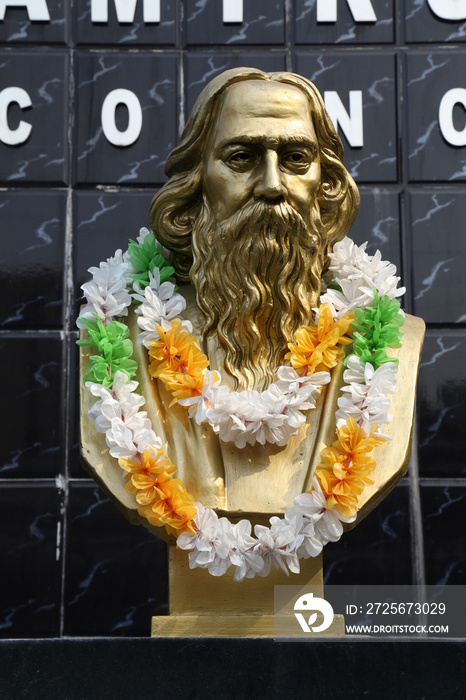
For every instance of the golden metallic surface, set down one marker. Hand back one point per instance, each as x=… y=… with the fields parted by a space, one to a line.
x=256 y=198
x=263 y=480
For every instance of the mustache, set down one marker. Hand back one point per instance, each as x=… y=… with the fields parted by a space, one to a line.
x=270 y=217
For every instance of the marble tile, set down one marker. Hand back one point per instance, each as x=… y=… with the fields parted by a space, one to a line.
x=32 y=258
x=346 y=30
x=438 y=254
x=263 y=23
x=42 y=154
x=378 y=223
x=116 y=572
x=30 y=552
x=201 y=67
x=127 y=34
x=444 y=534
x=378 y=550
x=374 y=76
x=103 y=222
x=17 y=28
x=441 y=401
x=152 y=80
x=32 y=417
x=429 y=76
x=431 y=22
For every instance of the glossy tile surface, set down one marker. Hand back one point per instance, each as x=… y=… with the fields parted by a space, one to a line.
x=116 y=573
x=378 y=550
x=444 y=536
x=32 y=259
x=33 y=418
x=441 y=405
x=30 y=552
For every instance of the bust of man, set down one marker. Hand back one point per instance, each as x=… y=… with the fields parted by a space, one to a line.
x=257 y=197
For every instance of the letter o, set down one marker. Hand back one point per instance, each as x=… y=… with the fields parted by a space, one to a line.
x=112 y=133
x=445 y=116
x=448 y=9
x=13 y=137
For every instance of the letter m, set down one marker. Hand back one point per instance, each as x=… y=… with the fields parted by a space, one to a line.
x=125 y=10
x=361 y=10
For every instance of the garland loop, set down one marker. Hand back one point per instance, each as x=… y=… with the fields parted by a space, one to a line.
x=360 y=300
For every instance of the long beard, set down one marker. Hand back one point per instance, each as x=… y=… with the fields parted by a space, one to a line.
x=257 y=278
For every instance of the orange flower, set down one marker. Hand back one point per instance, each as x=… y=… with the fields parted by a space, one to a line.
x=144 y=478
x=352 y=441
x=178 y=361
x=316 y=347
x=345 y=467
x=174 y=508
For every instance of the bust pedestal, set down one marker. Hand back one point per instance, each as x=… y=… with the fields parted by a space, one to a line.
x=203 y=606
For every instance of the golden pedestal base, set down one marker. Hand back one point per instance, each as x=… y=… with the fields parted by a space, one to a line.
x=204 y=606
x=236 y=626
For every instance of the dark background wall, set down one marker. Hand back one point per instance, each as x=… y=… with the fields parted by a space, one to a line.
x=71 y=565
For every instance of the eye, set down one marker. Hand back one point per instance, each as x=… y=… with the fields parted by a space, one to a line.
x=242 y=160
x=297 y=161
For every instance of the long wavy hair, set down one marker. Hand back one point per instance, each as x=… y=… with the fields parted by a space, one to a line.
x=178 y=204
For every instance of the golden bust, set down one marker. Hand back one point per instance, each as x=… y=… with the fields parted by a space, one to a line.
x=257 y=197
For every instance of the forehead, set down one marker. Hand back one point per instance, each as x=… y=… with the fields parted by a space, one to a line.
x=263 y=109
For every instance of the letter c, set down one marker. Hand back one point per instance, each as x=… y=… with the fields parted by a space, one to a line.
x=8 y=96
x=445 y=116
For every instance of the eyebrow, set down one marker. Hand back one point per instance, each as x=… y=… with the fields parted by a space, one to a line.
x=299 y=139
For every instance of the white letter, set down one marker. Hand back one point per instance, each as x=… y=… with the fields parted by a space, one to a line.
x=12 y=137
x=37 y=9
x=125 y=10
x=445 y=116
x=361 y=10
x=114 y=135
x=448 y=9
x=351 y=124
x=232 y=11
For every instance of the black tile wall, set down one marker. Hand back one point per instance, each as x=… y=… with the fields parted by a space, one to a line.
x=72 y=191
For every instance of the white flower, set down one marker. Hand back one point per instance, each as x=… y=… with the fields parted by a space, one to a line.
x=159 y=305
x=107 y=293
x=209 y=548
x=242 y=554
x=366 y=395
x=358 y=274
x=213 y=393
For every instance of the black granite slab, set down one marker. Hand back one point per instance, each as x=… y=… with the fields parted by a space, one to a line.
x=30 y=551
x=127 y=34
x=43 y=156
x=152 y=79
x=348 y=28
x=32 y=258
x=263 y=23
x=116 y=573
x=33 y=417
x=373 y=75
x=441 y=401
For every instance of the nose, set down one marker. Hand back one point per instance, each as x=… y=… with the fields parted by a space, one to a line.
x=269 y=183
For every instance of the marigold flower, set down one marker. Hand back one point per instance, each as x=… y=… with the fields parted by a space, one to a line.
x=145 y=477
x=352 y=441
x=345 y=467
x=317 y=347
x=178 y=361
x=174 y=508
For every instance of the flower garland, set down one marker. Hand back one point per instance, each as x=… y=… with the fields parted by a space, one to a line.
x=361 y=290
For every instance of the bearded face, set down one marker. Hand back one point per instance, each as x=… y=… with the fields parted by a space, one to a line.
x=257 y=278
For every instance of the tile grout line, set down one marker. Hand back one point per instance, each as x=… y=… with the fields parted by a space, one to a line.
x=67 y=340
x=417 y=533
